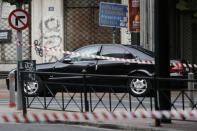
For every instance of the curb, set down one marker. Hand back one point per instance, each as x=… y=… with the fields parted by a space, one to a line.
x=120 y=127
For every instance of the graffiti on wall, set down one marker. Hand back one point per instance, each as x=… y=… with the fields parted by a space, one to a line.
x=50 y=38
x=38 y=49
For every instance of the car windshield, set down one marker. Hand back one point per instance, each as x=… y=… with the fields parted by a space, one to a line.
x=84 y=53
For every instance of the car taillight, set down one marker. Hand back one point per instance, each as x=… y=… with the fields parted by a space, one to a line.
x=177 y=68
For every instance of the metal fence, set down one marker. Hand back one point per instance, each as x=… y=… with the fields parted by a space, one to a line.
x=81 y=27
x=81 y=24
x=85 y=97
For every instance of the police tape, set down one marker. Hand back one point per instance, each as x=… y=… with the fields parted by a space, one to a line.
x=136 y=61
x=37 y=117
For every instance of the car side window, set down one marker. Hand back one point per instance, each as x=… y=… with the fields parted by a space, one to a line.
x=84 y=54
x=115 y=51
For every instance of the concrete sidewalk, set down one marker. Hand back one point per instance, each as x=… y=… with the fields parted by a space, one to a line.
x=4 y=94
x=138 y=124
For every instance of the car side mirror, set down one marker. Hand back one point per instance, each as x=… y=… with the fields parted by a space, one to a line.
x=67 y=60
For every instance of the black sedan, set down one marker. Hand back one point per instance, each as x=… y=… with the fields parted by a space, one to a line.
x=76 y=63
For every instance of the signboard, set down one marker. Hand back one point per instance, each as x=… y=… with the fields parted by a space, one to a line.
x=18 y=19
x=113 y=15
x=134 y=16
x=29 y=66
x=5 y=36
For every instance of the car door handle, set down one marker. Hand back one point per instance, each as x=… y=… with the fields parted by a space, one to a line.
x=92 y=65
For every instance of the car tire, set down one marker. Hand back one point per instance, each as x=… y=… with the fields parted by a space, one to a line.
x=140 y=87
x=32 y=89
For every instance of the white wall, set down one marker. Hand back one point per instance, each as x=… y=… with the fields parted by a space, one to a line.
x=47 y=28
x=125 y=34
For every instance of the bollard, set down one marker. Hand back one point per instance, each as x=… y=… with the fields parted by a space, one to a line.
x=191 y=88
x=85 y=91
x=12 y=102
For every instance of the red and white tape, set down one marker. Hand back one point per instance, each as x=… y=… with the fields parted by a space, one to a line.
x=115 y=59
x=97 y=116
x=55 y=50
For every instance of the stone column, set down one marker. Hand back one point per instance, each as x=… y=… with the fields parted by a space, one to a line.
x=125 y=34
x=47 y=29
x=147 y=24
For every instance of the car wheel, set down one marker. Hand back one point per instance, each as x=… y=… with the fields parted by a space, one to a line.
x=139 y=87
x=33 y=88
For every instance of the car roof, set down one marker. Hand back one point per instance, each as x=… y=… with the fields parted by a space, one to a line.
x=137 y=47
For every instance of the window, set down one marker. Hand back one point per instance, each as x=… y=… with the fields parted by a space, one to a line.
x=84 y=53
x=115 y=51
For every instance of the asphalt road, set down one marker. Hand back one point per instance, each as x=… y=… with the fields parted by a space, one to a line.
x=75 y=104
x=49 y=127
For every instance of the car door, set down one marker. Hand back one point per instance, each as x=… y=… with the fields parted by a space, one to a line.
x=75 y=63
x=110 y=67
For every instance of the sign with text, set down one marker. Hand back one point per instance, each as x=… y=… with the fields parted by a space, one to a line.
x=113 y=15
x=28 y=66
x=5 y=36
x=134 y=15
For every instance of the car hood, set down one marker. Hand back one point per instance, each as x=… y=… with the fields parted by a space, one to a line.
x=44 y=66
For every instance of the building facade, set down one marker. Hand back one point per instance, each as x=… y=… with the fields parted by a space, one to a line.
x=69 y=24
x=8 y=48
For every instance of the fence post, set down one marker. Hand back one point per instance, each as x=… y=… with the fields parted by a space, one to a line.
x=23 y=94
x=156 y=100
x=12 y=83
x=191 y=88
x=85 y=91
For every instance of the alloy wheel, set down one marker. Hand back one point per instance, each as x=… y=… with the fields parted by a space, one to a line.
x=31 y=88
x=138 y=86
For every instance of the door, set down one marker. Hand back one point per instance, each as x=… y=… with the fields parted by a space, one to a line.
x=77 y=62
x=110 y=67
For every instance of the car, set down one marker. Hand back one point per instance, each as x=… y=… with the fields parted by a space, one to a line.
x=76 y=63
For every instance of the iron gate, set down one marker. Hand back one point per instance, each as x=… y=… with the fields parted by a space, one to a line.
x=81 y=23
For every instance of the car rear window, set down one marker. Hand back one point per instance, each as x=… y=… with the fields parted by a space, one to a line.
x=148 y=52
